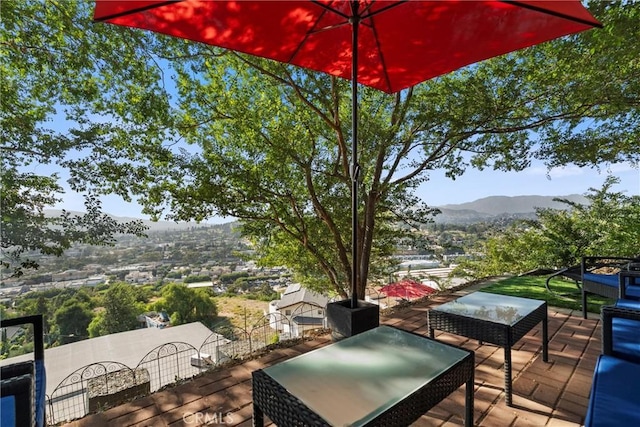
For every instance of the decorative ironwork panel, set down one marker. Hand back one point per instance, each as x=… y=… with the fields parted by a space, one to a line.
x=69 y=400
x=169 y=363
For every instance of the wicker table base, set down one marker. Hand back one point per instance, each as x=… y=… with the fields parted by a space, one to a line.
x=496 y=319
x=345 y=383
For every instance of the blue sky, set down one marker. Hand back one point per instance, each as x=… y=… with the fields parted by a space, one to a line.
x=535 y=180
x=473 y=185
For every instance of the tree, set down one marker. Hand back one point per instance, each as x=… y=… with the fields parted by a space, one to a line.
x=34 y=86
x=120 y=312
x=609 y=224
x=194 y=278
x=72 y=320
x=186 y=305
x=195 y=131
x=263 y=292
x=38 y=304
x=96 y=326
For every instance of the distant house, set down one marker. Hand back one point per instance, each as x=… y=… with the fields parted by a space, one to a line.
x=298 y=310
x=152 y=319
x=69 y=275
x=139 y=277
x=11 y=332
x=14 y=291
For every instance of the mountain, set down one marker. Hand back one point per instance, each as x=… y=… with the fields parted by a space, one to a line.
x=495 y=205
x=501 y=207
x=486 y=209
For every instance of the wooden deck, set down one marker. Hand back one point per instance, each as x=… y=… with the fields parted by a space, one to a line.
x=545 y=394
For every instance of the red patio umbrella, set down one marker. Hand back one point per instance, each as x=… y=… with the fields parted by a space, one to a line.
x=406 y=289
x=388 y=45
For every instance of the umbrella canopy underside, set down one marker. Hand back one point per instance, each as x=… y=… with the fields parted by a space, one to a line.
x=400 y=44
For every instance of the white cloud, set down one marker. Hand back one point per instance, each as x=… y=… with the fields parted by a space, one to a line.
x=562 y=172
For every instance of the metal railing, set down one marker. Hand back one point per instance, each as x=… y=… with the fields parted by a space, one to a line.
x=69 y=399
x=86 y=389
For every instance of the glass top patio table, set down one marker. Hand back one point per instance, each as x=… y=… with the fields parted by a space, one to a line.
x=504 y=309
x=355 y=381
x=498 y=319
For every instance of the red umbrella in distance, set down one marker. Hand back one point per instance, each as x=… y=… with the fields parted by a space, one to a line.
x=406 y=289
x=388 y=45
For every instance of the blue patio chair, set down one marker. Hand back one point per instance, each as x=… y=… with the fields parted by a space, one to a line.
x=23 y=384
x=601 y=276
x=616 y=377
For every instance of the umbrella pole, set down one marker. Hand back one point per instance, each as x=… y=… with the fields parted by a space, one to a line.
x=355 y=168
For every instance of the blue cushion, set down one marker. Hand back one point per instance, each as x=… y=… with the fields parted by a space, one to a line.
x=604 y=279
x=628 y=303
x=633 y=292
x=613 y=400
x=40 y=394
x=613 y=280
x=626 y=333
x=626 y=339
x=8 y=411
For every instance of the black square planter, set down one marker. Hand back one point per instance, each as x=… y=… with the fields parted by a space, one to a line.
x=345 y=321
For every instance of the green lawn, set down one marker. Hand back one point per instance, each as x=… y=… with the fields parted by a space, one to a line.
x=565 y=293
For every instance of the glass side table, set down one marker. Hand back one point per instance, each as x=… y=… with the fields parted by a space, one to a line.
x=497 y=319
